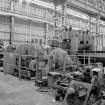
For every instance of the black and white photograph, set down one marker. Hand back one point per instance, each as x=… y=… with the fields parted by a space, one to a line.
x=52 y=52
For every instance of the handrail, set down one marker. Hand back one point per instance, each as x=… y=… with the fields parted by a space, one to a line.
x=98 y=5
x=5 y=5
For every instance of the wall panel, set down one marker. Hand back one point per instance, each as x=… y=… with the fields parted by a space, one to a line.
x=38 y=29
x=4 y=36
x=37 y=32
x=23 y=30
x=21 y=37
x=21 y=26
x=5 y=28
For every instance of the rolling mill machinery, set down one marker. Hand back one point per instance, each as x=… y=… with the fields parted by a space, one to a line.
x=25 y=58
x=76 y=42
x=78 y=90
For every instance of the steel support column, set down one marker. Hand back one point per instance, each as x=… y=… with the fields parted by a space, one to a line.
x=55 y=20
x=30 y=32
x=102 y=37
x=46 y=33
x=89 y=61
x=64 y=6
x=11 y=29
x=90 y=24
x=97 y=32
x=11 y=23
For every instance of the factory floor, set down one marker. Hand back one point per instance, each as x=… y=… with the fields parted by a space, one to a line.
x=22 y=92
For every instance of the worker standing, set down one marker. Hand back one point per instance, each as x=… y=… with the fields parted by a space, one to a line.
x=32 y=66
x=95 y=83
x=95 y=90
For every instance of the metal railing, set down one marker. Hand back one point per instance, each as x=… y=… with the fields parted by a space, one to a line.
x=97 y=4
x=24 y=9
x=41 y=12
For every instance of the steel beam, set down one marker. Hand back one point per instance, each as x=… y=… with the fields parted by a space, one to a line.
x=11 y=29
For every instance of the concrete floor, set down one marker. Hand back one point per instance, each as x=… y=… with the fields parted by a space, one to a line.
x=16 y=92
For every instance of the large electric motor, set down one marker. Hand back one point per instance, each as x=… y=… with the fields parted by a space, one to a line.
x=58 y=57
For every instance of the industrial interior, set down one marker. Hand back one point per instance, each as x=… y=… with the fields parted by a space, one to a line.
x=52 y=52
